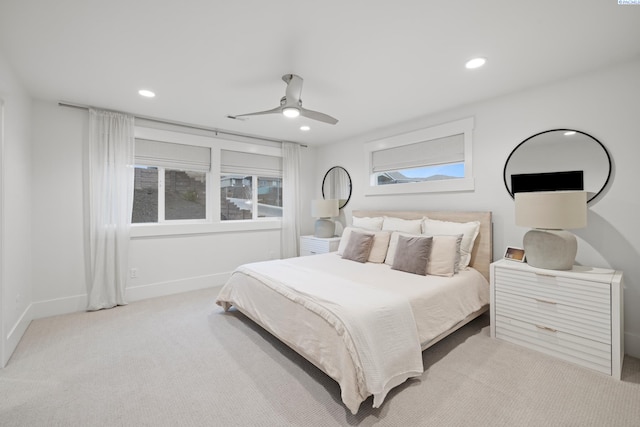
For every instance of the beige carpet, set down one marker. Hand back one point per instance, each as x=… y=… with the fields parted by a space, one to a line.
x=180 y=361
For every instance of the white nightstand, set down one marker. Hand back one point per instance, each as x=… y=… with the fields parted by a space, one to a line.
x=575 y=315
x=311 y=245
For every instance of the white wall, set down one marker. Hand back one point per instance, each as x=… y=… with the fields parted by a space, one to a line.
x=165 y=265
x=15 y=267
x=604 y=104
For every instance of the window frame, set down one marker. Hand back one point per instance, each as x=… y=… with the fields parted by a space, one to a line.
x=463 y=126
x=213 y=224
x=162 y=219
x=254 y=197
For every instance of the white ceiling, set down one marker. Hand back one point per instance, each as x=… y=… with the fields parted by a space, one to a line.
x=370 y=64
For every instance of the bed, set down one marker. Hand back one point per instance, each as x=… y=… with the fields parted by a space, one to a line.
x=364 y=320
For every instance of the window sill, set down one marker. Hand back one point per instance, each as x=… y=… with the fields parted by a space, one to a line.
x=156 y=230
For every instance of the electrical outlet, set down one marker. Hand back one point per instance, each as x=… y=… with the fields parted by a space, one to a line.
x=133 y=273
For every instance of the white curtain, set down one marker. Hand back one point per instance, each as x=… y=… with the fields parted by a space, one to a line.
x=111 y=175
x=290 y=234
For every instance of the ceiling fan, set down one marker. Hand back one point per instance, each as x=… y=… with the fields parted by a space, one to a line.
x=291 y=104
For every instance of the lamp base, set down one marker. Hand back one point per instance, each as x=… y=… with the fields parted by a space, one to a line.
x=550 y=249
x=324 y=228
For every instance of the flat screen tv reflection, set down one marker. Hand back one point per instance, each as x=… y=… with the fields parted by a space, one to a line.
x=547 y=181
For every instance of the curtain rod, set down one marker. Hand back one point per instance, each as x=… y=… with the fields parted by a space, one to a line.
x=169 y=122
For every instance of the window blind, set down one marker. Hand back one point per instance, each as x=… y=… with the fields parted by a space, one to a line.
x=172 y=156
x=250 y=163
x=449 y=149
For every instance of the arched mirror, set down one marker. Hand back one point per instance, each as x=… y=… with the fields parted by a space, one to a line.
x=337 y=185
x=558 y=159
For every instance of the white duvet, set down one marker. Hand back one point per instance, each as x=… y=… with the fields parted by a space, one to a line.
x=362 y=324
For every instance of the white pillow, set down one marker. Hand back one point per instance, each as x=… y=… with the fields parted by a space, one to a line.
x=368 y=223
x=412 y=226
x=469 y=231
x=393 y=245
x=378 y=249
x=442 y=259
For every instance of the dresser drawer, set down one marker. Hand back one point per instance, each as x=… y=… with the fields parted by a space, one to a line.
x=584 y=352
x=588 y=295
x=577 y=321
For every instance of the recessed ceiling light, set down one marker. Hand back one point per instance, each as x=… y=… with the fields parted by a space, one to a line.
x=305 y=128
x=475 y=63
x=146 y=93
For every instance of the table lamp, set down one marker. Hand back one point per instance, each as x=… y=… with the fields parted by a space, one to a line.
x=324 y=210
x=548 y=245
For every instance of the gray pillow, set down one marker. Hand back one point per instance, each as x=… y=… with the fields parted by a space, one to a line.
x=412 y=254
x=358 y=247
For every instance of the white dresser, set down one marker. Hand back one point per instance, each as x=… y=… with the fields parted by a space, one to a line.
x=575 y=315
x=311 y=245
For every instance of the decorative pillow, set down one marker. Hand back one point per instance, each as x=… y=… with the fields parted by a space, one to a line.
x=393 y=245
x=378 y=249
x=445 y=250
x=367 y=223
x=412 y=226
x=358 y=246
x=469 y=231
x=412 y=254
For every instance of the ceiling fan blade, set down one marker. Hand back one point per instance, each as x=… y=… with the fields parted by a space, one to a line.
x=276 y=110
x=315 y=115
x=294 y=88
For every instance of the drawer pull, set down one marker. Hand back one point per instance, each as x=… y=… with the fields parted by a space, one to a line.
x=543 y=274
x=545 y=328
x=545 y=301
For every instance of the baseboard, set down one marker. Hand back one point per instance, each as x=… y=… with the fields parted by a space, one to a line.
x=153 y=290
x=77 y=303
x=632 y=344
x=15 y=335
x=57 y=306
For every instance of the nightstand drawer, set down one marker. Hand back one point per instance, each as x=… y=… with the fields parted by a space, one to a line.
x=576 y=321
x=588 y=353
x=592 y=296
x=310 y=245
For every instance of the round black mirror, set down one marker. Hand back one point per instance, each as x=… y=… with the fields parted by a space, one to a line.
x=558 y=159
x=336 y=184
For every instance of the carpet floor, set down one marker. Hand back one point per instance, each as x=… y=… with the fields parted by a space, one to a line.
x=181 y=361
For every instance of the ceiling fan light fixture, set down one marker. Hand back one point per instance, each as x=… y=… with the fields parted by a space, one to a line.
x=291 y=112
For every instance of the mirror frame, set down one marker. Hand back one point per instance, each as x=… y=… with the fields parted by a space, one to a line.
x=596 y=194
x=350 y=185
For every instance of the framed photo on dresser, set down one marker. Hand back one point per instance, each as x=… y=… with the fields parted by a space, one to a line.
x=514 y=254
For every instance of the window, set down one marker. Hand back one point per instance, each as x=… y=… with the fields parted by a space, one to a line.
x=250 y=186
x=176 y=183
x=428 y=160
x=170 y=182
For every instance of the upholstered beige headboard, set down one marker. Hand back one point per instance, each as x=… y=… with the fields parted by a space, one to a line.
x=482 y=253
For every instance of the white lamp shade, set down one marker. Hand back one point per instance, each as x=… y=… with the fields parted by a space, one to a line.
x=555 y=210
x=324 y=208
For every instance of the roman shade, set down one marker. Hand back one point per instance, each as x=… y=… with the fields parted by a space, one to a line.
x=173 y=156
x=250 y=163
x=438 y=151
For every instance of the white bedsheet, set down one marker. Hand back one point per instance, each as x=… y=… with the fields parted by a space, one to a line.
x=437 y=304
x=378 y=327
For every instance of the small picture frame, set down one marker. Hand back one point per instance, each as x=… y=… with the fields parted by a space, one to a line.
x=514 y=254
